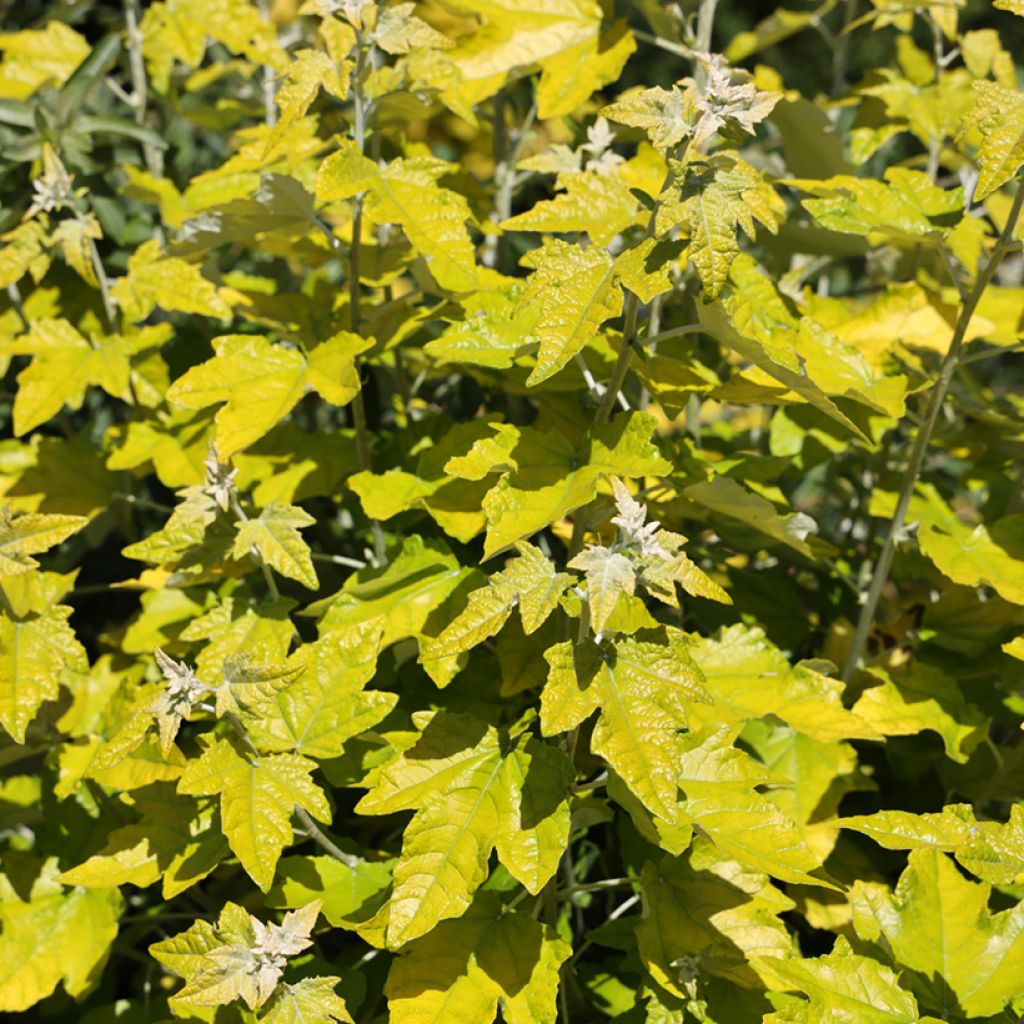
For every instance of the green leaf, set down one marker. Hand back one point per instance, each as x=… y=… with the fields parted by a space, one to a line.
x=473 y=791
x=23 y=536
x=711 y=203
x=551 y=478
x=571 y=292
x=63 y=368
x=709 y=910
x=275 y=536
x=749 y=678
x=36 y=646
x=993 y=555
x=326 y=705
x=176 y=841
x=642 y=690
x=576 y=51
x=154 y=280
x=719 y=779
x=433 y=218
x=309 y=1001
x=257 y=798
x=907 y=207
x=466 y=969
x=599 y=204
x=923 y=698
x=998 y=114
x=350 y=895
x=51 y=937
x=843 y=986
x=937 y=925
x=261 y=383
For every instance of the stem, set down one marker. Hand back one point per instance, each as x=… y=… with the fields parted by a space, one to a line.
x=269 y=78
x=352 y=563
x=675 y=332
x=323 y=840
x=705 y=22
x=613 y=916
x=663 y=44
x=139 y=97
x=989 y=353
x=841 y=53
x=363 y=455
x=607 y=883
x=15 y=296
x=507 y=149
x=109 y=309
x=630 y=312
x=921 y=441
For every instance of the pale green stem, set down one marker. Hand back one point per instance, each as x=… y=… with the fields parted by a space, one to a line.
x=363 y=456
x=921 y=441
x=137 y=66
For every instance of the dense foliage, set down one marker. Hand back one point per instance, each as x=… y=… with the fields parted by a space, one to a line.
x=512 y=510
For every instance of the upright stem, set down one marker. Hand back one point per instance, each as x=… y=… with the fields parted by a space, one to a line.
x=924 y=435
x=363 y=455
x=630 y=313
x=507 y=149
x=841 y=53
x=269 y=78
x=705 y=22
x=140 y=85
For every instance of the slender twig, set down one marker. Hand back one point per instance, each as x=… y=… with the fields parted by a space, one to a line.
x=269 y=79
x=138 y=100
x=621 y=909
x=109 y=309
x=921 y=441
x=507 y=149
x=1003 y=768
x=606 y=883
x=991 y=352
x=15 y=296
x=352 y=563
x=323 y=840
x=675 y=332
x=363 y=456
x=841 y=53
x=663 y=44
